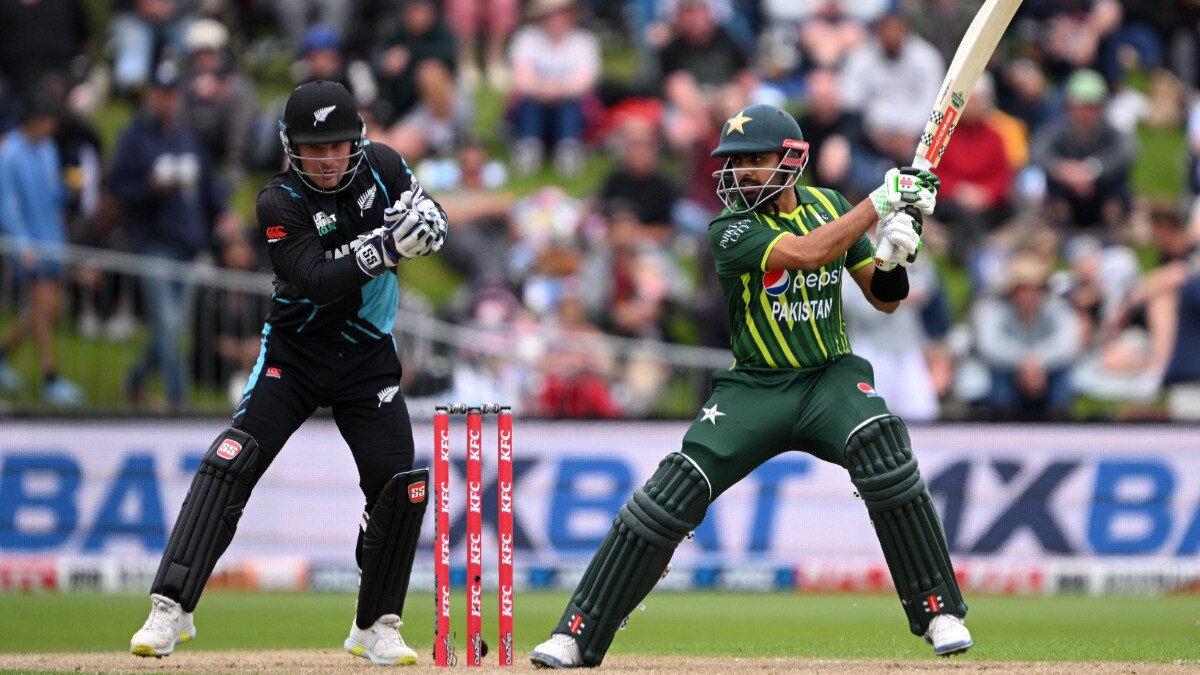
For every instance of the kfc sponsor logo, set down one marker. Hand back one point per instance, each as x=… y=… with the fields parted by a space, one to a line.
x=475 y=550
x=506 y=601
x=474 y=497
x=416 y=492
x=444 y=445
x=445 y=603
x=229 y=449
x=506 y=498
x=506 y=446
x=506 y=549
x=275 y=372
x=474 y=446
x=275 y=233
x=444 y=497
x=444 y=549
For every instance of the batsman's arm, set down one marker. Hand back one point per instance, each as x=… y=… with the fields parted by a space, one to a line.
x=824 y=244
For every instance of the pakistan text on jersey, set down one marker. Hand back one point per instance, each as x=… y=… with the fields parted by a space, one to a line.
x=802 y=311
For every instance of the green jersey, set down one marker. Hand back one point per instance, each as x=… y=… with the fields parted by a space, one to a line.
x=783 y=318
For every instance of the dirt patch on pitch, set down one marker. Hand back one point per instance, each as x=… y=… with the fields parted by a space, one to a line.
x=338 y=663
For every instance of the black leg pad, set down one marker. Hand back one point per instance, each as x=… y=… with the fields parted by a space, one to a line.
x=208 y=518
x=389 y=545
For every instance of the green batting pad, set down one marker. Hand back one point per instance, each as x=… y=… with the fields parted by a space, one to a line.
x=635 y=554
x=882 y=467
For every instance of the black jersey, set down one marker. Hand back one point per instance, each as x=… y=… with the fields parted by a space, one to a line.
x=320 y=292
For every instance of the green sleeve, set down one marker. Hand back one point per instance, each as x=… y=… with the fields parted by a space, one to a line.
x=741 y=243
x=861 y=252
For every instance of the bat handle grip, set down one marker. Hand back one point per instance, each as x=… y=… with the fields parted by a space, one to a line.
x=882 y=254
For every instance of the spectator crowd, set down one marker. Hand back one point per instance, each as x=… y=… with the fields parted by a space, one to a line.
x=569 y=141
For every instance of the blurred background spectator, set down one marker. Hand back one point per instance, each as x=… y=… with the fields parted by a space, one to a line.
x=891 y=80
x=172 y=201
x=33 y=201
x=490 y=22
x=556 y=69
x=1029 y=340
x=1080 y=147
x=1086 y=160
x=46 y=37
x=141 y=34
x=421 y=105
x=219 y=101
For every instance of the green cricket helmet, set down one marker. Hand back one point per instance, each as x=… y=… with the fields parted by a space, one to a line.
x=758 y=129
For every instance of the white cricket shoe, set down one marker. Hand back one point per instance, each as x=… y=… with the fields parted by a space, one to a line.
x=381 y=643
x=948 y=635
x=560 y=651
x=167 y=626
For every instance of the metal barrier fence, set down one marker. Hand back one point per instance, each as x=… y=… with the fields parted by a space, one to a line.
x=100 y=336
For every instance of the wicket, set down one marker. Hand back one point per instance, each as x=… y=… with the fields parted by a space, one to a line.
x=504 y=529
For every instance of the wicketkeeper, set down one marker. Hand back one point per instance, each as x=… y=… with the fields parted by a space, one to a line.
x=779 y=250
x=336 y=224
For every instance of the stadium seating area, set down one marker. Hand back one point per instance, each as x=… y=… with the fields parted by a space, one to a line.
x=568 y=141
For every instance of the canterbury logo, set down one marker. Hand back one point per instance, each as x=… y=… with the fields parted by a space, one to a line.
x=366 y=200
x=386 y=395
x=320 y=114
x=276 y=232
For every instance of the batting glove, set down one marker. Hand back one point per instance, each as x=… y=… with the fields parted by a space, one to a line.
x=901 y=229
x=907 y=186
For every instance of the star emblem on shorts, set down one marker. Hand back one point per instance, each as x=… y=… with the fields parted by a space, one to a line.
x=711 y=414
x=737 y=122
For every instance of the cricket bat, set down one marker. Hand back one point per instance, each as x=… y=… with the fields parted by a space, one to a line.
x=972 y=55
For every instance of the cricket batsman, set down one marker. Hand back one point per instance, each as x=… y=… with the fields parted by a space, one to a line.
x=779 y=250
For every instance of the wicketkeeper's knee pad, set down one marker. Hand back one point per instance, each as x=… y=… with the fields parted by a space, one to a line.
x=209 y=516
x=880 y=460
x=635 y=554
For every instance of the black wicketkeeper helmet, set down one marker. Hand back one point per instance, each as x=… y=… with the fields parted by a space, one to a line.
x=322 y=112
x=760 y=128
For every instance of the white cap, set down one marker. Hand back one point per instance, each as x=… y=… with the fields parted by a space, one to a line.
x=205 y=34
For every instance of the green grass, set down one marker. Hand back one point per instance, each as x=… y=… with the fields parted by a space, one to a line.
x=1066 y=628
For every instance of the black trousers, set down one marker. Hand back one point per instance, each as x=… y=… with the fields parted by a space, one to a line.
x=360 y=383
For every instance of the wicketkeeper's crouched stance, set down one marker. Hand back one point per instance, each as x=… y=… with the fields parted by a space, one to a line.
x=327 y=342
x=795 y=385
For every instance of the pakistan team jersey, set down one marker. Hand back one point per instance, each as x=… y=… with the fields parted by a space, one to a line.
x=783 y=318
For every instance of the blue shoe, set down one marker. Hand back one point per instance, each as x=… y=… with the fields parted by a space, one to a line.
x=10 y=379
x=63 y=393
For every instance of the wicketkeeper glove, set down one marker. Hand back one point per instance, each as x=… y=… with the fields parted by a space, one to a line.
x=906 y=186
x=376 y=251
x=902 y=229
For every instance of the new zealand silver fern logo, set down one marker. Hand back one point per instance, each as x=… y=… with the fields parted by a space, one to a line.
x=320 y=114
x=386 y=395
x=366 y=200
